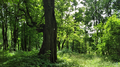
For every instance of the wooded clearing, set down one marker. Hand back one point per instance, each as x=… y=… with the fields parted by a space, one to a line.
x=59 y=33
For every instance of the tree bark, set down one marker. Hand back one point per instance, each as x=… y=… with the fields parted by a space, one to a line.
x=67 y=42
x=15 y=31
x=22 y=41
x=4 y=47
x=25 y=37
x=49 y=31
x=63 y=43
x=73 y=45
x=4 y=30
x=29 y=46
x=59 y=45
x=4 y=33
x=74 y=27
x=85 y=42
x=15 y=36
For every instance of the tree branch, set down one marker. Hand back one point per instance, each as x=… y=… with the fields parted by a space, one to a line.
x=27 y=12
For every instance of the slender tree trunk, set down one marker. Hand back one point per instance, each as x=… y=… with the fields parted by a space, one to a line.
x=85 y=48
x=15 y=38
x=67 y=43
x=50 y=31
x=79 y=48
x=74 y=27
x=18 y=41
x=4 y=31
x=25 y=38
x=73 y=45
x=11 y=31
x=22 y=39
x=4 y=46
x=15 y=31
x=29 y=46
x=67 y=40
x=59 y=45
x=6 y=38
x=63 y=43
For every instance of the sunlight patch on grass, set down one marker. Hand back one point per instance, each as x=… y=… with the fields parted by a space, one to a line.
x=67 y=59
x=86 y=60
x=11 y=54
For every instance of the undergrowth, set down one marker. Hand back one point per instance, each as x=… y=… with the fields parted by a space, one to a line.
x=66 y=58
x=23 y=59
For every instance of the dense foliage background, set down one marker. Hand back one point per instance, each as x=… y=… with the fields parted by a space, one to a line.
x=59 y=33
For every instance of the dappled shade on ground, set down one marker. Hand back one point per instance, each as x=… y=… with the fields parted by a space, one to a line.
x=65 y=59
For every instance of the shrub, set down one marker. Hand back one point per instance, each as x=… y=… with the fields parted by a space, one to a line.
x=110 y=41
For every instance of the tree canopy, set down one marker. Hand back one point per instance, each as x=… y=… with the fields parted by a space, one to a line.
x=50 y=26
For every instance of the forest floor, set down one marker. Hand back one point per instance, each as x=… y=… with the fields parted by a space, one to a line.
x=65 y=59
x=86 y=60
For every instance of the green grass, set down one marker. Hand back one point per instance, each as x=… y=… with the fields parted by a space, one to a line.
x=65 y=59
x=85 y=60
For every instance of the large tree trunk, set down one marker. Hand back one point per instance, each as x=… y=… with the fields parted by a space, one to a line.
x=50 y=31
